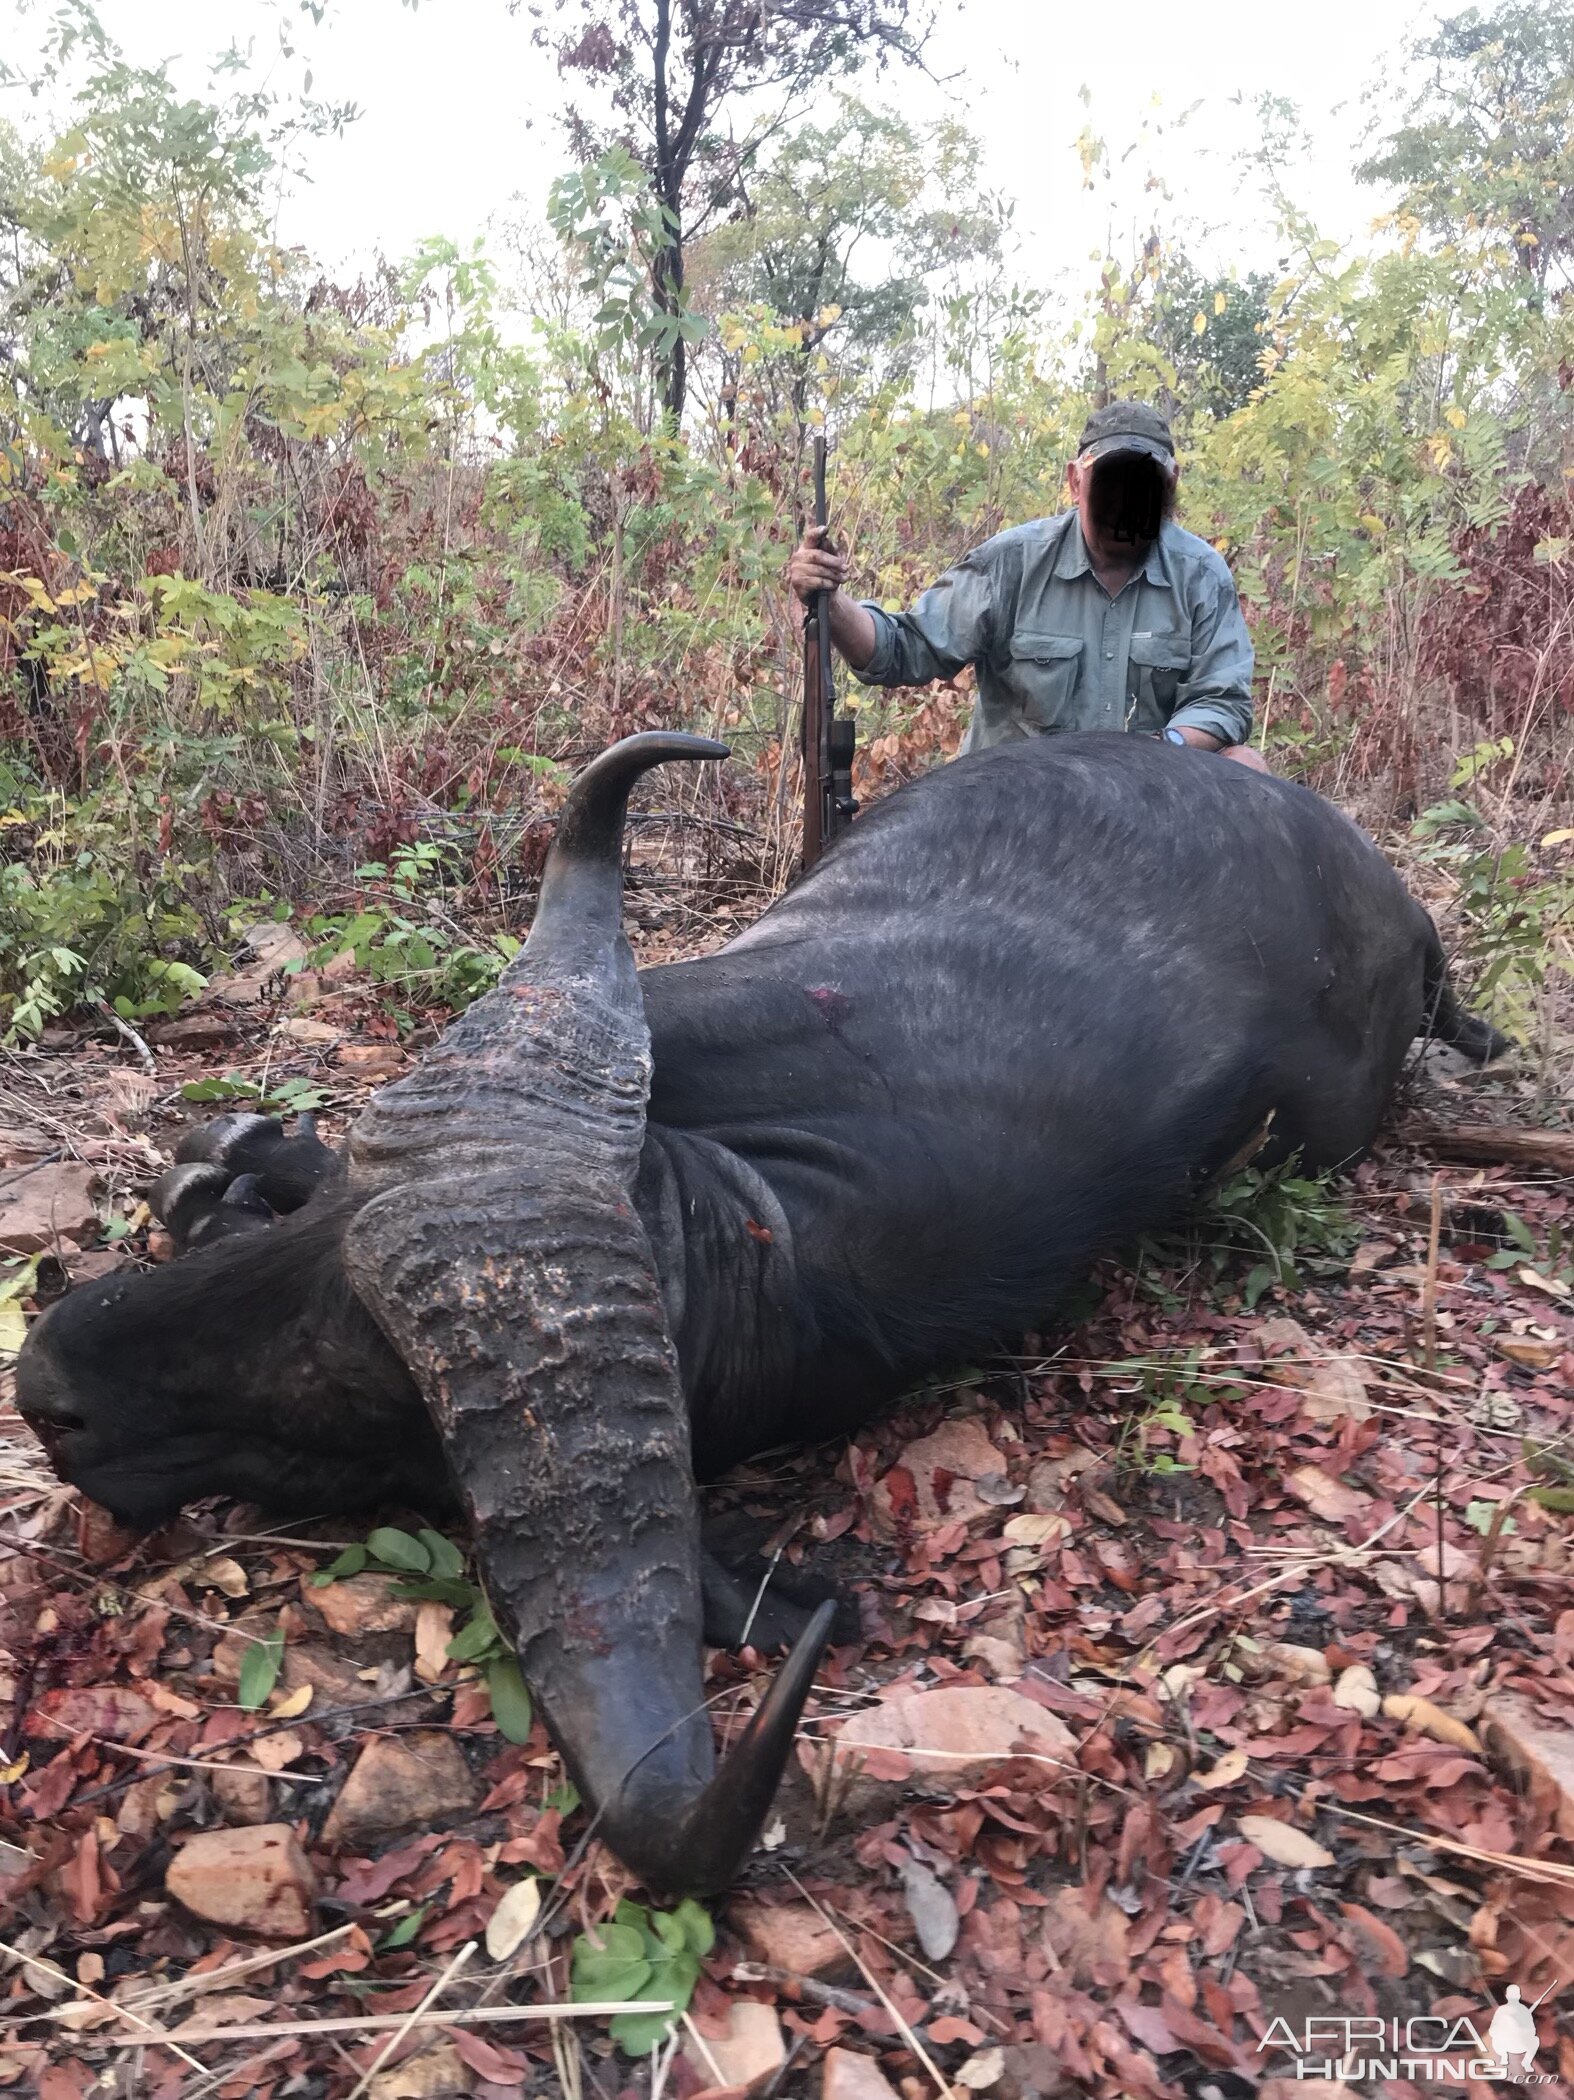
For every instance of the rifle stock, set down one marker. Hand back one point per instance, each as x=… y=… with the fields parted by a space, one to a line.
x=828 y=738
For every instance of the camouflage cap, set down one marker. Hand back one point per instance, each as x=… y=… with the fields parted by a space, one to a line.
x=1127 y=426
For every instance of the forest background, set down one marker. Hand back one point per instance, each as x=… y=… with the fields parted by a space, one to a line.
x=314 y=594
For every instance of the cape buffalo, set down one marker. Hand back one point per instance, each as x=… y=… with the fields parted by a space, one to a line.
x=619 y=1230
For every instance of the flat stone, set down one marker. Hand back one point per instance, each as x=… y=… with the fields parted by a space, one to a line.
x=364 y=1604
x=789 y=1936
x=271 y=947
x=372 y=1060
x=953 y=1736
x=748 y=2054
x=1539 y=1752
x=849 y=2075
x=255 y=1880
x=398 y=1784
x=204 y=1031
x=310 y=1032
x=243 y=1792
x=41 y=1206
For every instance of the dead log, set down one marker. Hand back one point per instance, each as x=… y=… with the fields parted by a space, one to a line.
x=1492 y=1144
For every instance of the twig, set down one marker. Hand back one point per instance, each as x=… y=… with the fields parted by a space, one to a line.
x=411 y=2018
x=214 y=1979
x=374 y=2023
x=1429 y=1287
x=129 y=1035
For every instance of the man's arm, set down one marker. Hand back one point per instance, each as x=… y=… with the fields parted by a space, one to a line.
x=946 y=629
x=1215 y=706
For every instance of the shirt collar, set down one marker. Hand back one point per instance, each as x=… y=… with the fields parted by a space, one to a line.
x=1073 y=561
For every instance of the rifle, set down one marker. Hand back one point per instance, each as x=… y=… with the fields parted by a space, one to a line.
x=828 y=738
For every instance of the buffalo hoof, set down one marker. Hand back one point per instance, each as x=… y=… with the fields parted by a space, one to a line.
x=236 y=1174
x=751 y=1601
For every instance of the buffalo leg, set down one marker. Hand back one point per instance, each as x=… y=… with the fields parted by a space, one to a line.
x=237 y=1174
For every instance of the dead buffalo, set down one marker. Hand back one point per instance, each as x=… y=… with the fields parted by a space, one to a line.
x=619 y=1230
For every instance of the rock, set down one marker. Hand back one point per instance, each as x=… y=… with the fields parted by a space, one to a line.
x=953 y=1736
x=1300 y=1665
x=1539 y=1753
x=335 y=1679
x=43 y=1205
x=438 y=2073
x=1085 y=1941
x=202 y=1031
x=304 y=1031
x=256 y=1880
x=21 y=1145
x=92 y=1263
x=848 y=2075
x=748 y=2054
x=272 y=947
x=372 y=1060
x=790 y=1936
x=364 y=1604
x=243 y=1792
x=942 y=1469
x=341 y=968
x=398 y=1784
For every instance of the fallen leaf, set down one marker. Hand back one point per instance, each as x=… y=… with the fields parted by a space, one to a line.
x=1554 y=1286
x=1357 y=1690
x=1230 y=1767
x=434 y=1629
x=982 y=2071
x=516 y=1912
x=1325 y=1496
x=1035 y=1530
x=1423 y=1718
x=1528 y=1354
x=274 y=1752
x=293 y=1704
x=931 y=1908
x=1283 y=1843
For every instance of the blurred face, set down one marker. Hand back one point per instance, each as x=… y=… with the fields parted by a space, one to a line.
x=1122 y=499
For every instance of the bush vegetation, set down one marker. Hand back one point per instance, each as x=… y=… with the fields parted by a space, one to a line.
x=302 y=583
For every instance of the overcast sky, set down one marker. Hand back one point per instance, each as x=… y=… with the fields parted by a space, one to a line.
x=458 y=110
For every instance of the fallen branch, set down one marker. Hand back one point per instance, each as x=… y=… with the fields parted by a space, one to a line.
x=1492 y=1144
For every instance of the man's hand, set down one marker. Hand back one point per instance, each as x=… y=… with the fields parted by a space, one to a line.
x=815 y=565
x=1245 y=755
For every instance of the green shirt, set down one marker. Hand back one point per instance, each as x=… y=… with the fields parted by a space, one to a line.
x=1053 y=650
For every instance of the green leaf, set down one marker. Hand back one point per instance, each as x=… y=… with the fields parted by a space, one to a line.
x=636 y=2034
x=564 y=1798
x=462 y=1595
x=476 y=1638
x=396 y=1549
x=350 y=1562
x=511 y=1707
x=446 y=1558
x=1559 y=1500
x=698 y=1929
x=259 y=1671
x=405 y=1931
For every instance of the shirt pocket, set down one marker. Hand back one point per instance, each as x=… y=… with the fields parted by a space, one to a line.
x=1159 y=663
x=1045 y=669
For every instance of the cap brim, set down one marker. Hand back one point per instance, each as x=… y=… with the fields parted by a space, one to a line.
x=1148 y=448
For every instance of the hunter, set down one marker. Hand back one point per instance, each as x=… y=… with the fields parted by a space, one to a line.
x=1108 y=616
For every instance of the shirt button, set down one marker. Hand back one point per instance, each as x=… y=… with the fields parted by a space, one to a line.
x=1109 y=656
